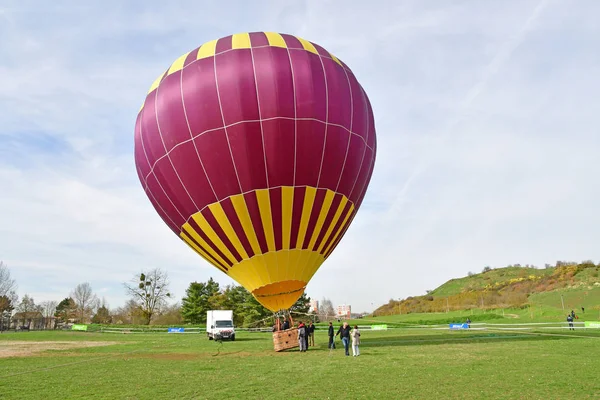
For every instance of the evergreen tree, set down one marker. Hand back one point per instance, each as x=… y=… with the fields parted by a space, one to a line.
x=302 y=305
x=197 y=301
x=66 y=309
x=102 y=316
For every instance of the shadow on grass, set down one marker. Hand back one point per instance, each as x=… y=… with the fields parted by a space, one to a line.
x=238 y=339
x=441 y=339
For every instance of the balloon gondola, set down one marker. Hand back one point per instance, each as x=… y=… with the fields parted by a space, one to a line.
x=257 y=149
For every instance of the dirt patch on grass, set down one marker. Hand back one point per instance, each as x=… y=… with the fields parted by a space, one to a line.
x=15 y=348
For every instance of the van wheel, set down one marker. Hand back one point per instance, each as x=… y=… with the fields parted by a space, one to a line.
x=232 y=338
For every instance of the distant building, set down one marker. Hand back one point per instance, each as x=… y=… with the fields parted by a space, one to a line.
x=344 y=311
x=314 y=306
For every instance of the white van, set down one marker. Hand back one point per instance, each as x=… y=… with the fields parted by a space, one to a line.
x=219 y=324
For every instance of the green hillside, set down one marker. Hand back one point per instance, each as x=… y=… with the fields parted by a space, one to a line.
x=575 y=285
x=494 y=277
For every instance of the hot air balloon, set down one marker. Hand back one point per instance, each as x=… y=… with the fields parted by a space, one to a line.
x=256 y=149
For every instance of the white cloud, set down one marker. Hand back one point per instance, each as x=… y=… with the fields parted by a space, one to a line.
x=486 y=117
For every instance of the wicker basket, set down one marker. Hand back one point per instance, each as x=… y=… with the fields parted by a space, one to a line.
x=283 y=340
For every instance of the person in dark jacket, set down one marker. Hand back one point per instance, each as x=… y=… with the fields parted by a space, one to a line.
x=330 y=333
x=286 y=325
x=307 y=329
x=311 y=334
x=570 y=321
x=344 y=333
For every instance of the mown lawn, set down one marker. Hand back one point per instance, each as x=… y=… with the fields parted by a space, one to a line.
x=573 y=299
x=400 y=363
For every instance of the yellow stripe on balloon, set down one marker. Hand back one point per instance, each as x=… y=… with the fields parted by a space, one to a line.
x=264 y=206
x=334 y=58
x=217 y=211
x=212 y=235
x=178 y=64
x=198 y=250
x=287 y=206
x=275 y=39
x=240 y=41
x=208 y=49
x=339 y=230
x=241 y=209
x=156 y=83
x=308 y=46
x=321 y=219
x=334 y=221
x=247 y=273
x=192 y=232
x=309 y=200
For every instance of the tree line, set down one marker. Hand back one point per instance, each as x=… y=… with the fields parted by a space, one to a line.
x=148 y=303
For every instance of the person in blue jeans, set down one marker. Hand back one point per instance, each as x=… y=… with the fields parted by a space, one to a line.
x=344 y=333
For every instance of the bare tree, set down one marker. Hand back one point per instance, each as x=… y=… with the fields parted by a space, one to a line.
x=326 y=310
x=49 y=308
x=27 y=305
x=150 y=292
x=7 y=284
x=85 y=299
x=130 y=313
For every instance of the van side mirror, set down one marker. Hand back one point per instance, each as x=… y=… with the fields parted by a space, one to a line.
x=212 y=327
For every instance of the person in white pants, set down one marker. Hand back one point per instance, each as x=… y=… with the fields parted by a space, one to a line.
x=355 y=335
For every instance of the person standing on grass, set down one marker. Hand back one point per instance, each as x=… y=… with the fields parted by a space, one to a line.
x=302 y=336
x=330 y=333
x=355 y=334
x=311 y=334
x=307 y=330
x=570 y=321
x=344 y=333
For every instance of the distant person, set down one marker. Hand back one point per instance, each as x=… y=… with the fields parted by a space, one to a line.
x=582 y=310
x=286 y=325
x=302 y=336
x=355 y=334
x=468 y=322
x=311 y=334
x=570 y=321
x=330 y=333
x=344 y=333
x=572 y=313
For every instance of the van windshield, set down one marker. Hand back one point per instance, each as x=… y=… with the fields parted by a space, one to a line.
x=224 y=324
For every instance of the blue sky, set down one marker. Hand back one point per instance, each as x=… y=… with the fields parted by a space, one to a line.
x=487 y=116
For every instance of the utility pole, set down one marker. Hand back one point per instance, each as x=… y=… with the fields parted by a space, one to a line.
x=447 y=306
x=562 y=301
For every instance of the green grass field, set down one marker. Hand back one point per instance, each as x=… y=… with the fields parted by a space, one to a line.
x=573 y=299
x=400 y=363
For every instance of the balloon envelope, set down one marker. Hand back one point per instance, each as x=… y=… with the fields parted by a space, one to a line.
x=256 y=149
